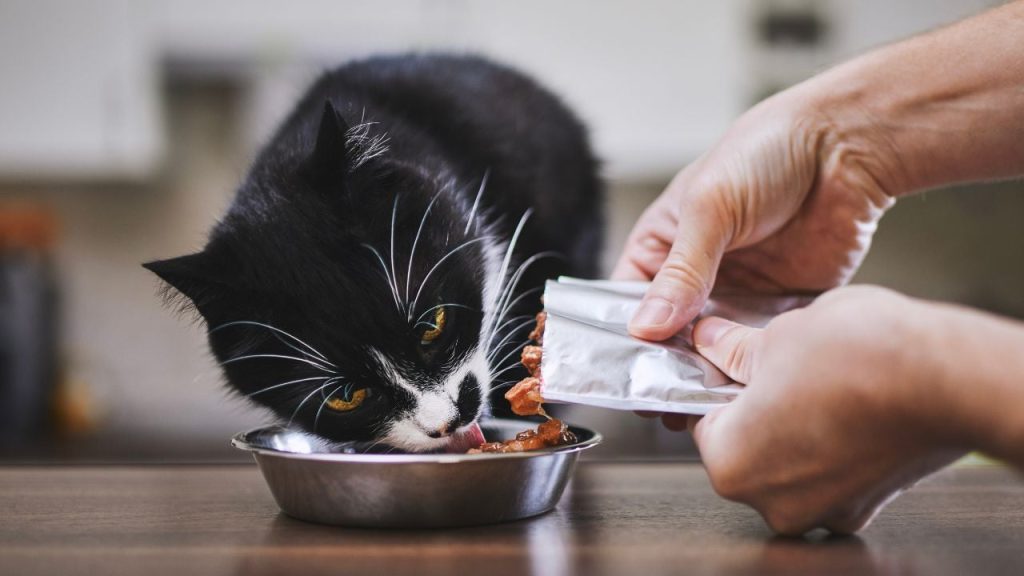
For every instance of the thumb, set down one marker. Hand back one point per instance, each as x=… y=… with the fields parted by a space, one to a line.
x=730 y=346
x=682 y=284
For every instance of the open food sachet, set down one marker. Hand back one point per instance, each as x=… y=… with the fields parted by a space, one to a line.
x=590 y=358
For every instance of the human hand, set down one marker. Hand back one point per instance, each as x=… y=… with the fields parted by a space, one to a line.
x=783 y=203
x=843 y=409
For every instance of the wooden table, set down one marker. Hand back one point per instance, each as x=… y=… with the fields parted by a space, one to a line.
x=633 y=519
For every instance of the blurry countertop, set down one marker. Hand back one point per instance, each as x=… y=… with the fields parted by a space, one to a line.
x=626 y=518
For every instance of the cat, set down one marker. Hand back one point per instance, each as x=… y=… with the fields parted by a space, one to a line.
x=381 y=262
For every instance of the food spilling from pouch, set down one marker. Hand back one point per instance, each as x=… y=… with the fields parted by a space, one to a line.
x=525 y=400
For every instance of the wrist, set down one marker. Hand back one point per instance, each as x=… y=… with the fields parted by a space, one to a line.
x=974 y=378
x=855 y=119
x=921 y=391
x=895 y=119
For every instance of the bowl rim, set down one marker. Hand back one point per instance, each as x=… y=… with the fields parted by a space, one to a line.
x=241 y=442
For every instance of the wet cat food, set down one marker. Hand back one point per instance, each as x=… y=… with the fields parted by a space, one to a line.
x=525 y=397
x=526 y=400
x=552 y=433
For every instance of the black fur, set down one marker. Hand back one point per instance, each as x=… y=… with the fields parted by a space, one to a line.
x=372 y=140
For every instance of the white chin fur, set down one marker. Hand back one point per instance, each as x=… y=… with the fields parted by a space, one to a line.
x=406 y=435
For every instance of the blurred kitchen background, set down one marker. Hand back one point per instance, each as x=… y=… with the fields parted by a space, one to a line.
x=126 y=124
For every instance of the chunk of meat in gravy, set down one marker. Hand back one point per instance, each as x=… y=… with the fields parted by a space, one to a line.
x=549 y=434
x=531 y=358
x=537 y=335
x=525 y=398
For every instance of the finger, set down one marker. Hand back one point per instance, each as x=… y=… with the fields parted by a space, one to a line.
x=724 y=459
x=730 y=346
x=682 y=284
x=691 y=423
x=648 y=244
x=627 y=269
x=674 y=422
x=701 y=425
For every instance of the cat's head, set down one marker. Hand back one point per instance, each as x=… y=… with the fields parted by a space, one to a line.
x=348 y=293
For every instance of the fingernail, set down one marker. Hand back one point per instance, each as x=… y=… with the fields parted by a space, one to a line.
x=652 y=313
x=709 y=331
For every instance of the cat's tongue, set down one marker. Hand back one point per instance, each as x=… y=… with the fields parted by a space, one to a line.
x=465 y=438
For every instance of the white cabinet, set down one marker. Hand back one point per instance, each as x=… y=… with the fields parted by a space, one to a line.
x=79 y=96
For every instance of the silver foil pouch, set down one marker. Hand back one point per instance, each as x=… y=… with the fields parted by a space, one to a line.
x=590 y=358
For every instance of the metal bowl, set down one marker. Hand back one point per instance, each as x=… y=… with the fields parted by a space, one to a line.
x=345 y=485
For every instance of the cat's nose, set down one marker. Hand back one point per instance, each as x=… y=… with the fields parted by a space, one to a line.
x=440 y=432
x=444 y=430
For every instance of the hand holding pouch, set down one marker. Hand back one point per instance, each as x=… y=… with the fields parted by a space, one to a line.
x=590 y=358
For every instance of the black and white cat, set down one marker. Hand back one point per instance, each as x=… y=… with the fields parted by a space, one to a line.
x=378 y=269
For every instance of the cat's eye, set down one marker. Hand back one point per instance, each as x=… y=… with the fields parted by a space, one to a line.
x=434 y=331
x=348 y=402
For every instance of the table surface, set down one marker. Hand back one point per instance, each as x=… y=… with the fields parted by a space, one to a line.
x=642 y=519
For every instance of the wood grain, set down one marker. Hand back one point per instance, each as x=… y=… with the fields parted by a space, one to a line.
x=638 y=519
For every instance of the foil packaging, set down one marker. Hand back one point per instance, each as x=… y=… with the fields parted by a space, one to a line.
x=590 y=358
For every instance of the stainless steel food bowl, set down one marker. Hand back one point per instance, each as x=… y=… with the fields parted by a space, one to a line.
x=345 y=485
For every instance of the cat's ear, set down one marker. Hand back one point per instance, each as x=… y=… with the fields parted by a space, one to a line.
x=195 y=276
x=329 y=161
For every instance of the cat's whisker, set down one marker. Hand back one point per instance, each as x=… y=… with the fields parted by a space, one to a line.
x=523 y=267
x=280 y=357
x=372 y=446
x=387 y=276
x=504 y=384
x=450 y=253
x=416 y=240
x=316 y=421
x=525 y=294
x=518 y=299
x=498 y=348
x=503 y=304
x=515 y=350
x=506 y=323
x=283 y=384
x=394 y=212
x=377 y=430
x=445 y=305
x=304 y=353
x=476 y=201
x=505 y=365
x=306 y=399
x=277 y=330
x=508 y=254
x=504 y=370
x=501 y=315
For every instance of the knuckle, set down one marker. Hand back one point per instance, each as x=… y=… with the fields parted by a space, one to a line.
x=737 y=360
x=680 y=271
x=854 y=296
x=727 y=481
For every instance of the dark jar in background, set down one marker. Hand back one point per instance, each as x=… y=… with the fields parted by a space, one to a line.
x=28 y=322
